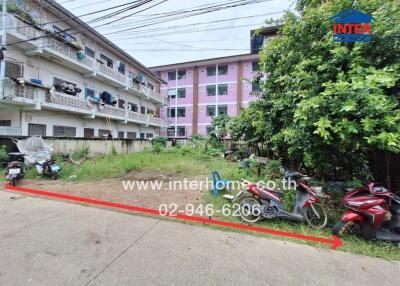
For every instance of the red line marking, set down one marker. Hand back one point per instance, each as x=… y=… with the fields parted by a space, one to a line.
x=335 y=241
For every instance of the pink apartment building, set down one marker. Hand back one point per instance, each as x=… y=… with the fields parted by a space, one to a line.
x=200 y=90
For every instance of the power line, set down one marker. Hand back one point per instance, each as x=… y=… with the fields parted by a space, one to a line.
x=80 y=27
x=201 y=23
x=200 y=12
x=238 y=3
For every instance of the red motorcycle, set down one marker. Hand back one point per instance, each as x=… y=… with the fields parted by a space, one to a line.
x=260 y=202
x=373 y=212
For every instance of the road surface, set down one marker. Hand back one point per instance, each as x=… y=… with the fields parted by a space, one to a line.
x=46 y=242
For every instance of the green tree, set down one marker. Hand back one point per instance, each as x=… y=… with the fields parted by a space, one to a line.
x=326 y=103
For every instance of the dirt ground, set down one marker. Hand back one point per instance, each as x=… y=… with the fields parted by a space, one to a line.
x=113 y=190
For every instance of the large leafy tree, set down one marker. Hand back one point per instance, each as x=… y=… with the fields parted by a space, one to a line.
x=326 y=103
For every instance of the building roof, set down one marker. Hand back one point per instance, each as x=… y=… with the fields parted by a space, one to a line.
x=55 y=7
x=210 y=61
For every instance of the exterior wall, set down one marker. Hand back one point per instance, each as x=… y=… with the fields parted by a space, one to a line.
x=48 y=58
x=234 y=79
x=62 y=146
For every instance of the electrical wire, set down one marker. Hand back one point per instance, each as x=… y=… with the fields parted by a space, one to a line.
x=238 y=3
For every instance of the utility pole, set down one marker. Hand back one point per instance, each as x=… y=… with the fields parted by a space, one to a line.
x=3 y=48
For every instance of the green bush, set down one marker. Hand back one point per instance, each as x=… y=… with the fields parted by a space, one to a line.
x=273 y=168
x=3 y=155
x=161 y=140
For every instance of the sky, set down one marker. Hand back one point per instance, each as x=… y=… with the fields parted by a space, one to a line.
x=165 y=46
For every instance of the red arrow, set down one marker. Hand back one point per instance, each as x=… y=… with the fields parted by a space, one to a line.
x=335 y=242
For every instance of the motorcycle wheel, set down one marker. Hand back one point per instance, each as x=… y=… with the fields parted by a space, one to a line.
x=54 y=176
x=315 y=216
x=14 y=181
x=343 y=228
x=250 y=209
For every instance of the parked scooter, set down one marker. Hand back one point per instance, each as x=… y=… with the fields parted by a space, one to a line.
x=257 y=203
x=48 y=168
x=373 y=213
x=15 y=168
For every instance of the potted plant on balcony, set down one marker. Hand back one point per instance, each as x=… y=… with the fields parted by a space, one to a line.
x=13 y=8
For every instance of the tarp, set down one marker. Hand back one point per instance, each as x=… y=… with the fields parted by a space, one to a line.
x=35 y=149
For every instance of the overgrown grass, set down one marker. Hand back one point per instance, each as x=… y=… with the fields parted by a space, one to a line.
x=184 y=160
x=196 y=162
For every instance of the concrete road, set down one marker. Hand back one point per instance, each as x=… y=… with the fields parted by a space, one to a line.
x=45 y=242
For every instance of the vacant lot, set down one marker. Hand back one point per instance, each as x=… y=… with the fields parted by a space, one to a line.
x=102 y=177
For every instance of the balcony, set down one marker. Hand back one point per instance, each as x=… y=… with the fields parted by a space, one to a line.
x=66 y=55
x=10 y=131
x=20 y=30
x=145 y=92
x=155 y=121
x=65 y=102
x=137 y=117
x=112 y=112
x=25 y=96
x=111 y=76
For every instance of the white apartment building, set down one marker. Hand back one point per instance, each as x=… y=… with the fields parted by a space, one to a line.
x=63 y=78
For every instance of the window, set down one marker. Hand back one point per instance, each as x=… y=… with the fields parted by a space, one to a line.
x=121 y=103
x=211 y=90
x=121 y=68
x=255 y=86
x=211 y=71
x=172 y=93
x=171 y=131
x=181 y=92
x=181 y=111
x=210 y=110
x=103 y=133
x=171 y=112
x=150 y=111
x=209 y=129
x=64 y=131
x=222 y=70
x=108 y=61
x=36 y=129
x=149 y=85
x=90 y=53
x=172 y=75
x=121 y=134
x=255 y=66
x=223 y=109
x=142 y=135
x=131 y=135
x=149 y=135
x=90 y=92
x=181 y=132
x=182 y=74
x=223 y=89
x=65 y=35
x=88 y=132
x=6 y=123
x=143 y=110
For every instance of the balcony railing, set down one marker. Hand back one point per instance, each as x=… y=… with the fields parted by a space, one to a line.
x=111 y=110
x=67 y=51
x=137 y=117
x=68 y=101
x=21 y=29
x=24 y=91
x=111 y=73
x=157 y=121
